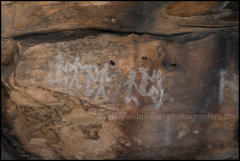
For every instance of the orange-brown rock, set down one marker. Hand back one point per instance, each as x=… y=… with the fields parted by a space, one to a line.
x=164 y=18
x=72 y=87
x=190 y=8
x=96 y=80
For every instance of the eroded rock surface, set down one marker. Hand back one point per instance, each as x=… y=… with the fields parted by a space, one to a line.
x=144 y=17
x=9 y=48
x=92 y=94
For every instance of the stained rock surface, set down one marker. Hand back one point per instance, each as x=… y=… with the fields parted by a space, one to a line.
x=145 y=17
x=120 y=80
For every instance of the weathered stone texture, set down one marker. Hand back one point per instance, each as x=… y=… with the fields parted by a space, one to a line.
x=145 y=17
x=9 y=48
x=63 y=89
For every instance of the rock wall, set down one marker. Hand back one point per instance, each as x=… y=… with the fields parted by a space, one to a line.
x=120 y=80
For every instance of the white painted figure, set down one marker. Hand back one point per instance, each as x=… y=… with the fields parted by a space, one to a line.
x=96 y=80
x=155 y=92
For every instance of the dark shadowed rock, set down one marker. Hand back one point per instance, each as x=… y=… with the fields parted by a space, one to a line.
x=9 y=48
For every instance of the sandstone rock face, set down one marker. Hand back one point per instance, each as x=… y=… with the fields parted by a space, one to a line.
x=99 y=80
x=144 y=17
x=8 y=49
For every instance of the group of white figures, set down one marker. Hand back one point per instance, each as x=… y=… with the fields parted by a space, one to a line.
x=97 y=78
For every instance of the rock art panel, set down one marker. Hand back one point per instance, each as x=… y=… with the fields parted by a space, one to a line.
x=120 y=80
